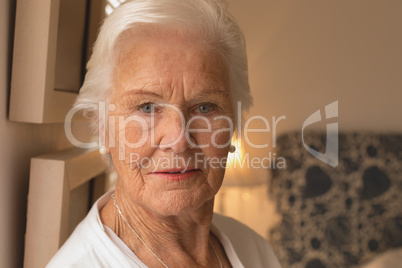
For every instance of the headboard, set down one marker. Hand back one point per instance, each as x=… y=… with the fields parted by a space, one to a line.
x=341 y=216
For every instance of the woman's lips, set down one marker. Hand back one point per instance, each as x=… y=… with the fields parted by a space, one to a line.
x=176 y=174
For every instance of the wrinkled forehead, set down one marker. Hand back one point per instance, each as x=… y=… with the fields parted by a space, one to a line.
x=169 y=59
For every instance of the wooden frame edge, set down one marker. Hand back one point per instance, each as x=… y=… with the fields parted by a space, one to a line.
x=52 y=177
x=32 y=97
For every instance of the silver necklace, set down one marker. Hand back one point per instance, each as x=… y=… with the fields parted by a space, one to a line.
x=145 y=244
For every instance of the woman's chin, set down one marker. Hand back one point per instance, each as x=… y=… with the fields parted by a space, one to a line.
x=180 y=203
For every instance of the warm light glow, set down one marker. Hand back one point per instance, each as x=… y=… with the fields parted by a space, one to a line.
x=245 y=196
x=114 y=3
x=111 y=5
x=238 y=154
x=108 y=10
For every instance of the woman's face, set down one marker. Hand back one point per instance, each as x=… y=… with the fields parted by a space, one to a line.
x=171 y=124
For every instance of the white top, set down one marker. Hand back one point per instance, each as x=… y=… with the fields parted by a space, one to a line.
x=94 y=245
x=390 y=258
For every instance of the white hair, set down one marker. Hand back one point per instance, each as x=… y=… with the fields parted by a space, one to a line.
x=208 y=20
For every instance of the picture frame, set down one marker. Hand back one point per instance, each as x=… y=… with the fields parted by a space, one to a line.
x=44 y=31
x=62 y=188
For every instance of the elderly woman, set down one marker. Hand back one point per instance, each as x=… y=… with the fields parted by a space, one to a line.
x=170 y=74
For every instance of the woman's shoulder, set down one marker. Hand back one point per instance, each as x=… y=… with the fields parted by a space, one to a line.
x=252 y=249
x=237 y=231
x=80 y=248
x=89 y=245
x=220 y=220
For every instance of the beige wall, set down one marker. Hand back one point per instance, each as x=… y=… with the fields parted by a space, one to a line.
x=18 y=143
x=302 y=56
x=306 y=54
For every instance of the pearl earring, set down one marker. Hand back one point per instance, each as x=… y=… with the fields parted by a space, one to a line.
x=232 y=148
x=102 y=150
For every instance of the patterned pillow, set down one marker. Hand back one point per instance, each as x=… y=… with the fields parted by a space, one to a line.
x=337 y=216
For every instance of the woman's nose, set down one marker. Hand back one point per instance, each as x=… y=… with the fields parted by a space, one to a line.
x=175 y=136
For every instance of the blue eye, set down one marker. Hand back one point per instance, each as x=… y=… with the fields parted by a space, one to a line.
x=147 y=108
x=204 y=108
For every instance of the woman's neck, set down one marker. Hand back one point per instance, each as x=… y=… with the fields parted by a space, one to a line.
x=176 y=239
